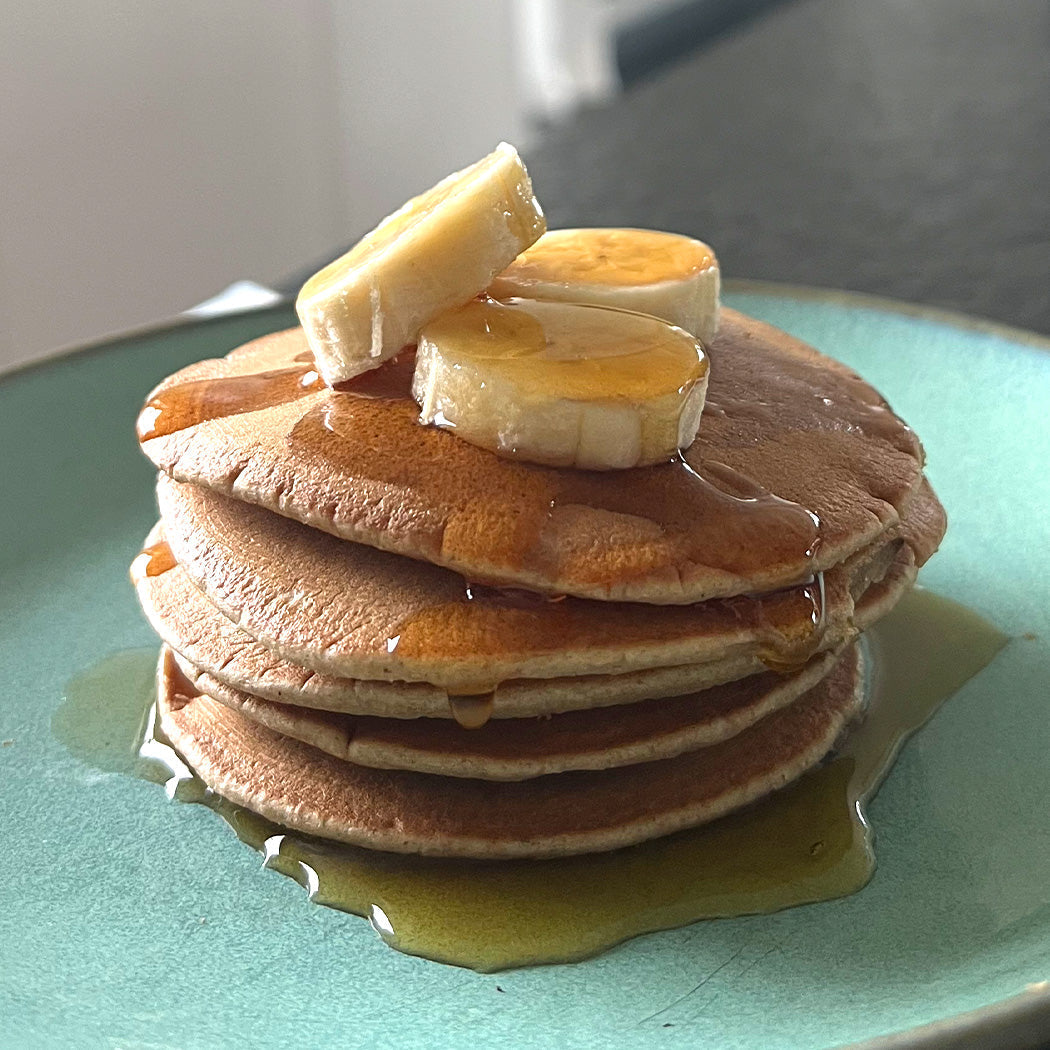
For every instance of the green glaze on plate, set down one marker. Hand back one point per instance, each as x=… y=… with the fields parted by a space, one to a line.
x=127 y=921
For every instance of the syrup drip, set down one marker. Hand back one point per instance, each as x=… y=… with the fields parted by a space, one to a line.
x=472 y=712
x=391 y=381
x=873 y=419
x=845 y=404
x=736 y=408
x=187 y=404
x=722 y=519
x=474 y=630
x=879 y=421
x=808 y=842
x=182 y=689
x=786 y=655
x=789 y=624
x=158 y=558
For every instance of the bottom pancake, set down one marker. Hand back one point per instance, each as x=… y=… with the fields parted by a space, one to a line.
x=521 y=748
x=308 y=790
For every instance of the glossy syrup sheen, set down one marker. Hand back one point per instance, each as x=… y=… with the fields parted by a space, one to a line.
x=701 y=513
x=155 y=560
x=610 y=257
x=582 y=352
x=809 y=842
x=707 y=514
x=187 y=404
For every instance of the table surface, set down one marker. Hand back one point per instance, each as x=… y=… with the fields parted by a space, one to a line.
x=884 y=146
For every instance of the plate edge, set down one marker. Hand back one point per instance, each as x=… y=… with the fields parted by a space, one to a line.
x=155 y=328
x=1022 y=1019
x=867 y=300
x=738 y=285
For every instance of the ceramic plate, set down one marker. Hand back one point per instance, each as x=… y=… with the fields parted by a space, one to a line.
x=128 y=921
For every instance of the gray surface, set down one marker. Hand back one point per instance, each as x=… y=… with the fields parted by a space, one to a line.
x=899 y=147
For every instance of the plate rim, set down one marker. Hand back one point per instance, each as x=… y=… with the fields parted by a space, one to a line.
x=870 y=301
x=1023 y=1017
x=733 y=285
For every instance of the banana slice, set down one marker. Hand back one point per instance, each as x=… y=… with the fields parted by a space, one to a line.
x=663 y=274
x=564 y=384
x=437 y=251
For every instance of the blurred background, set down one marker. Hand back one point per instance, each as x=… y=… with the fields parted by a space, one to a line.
x=152 y=153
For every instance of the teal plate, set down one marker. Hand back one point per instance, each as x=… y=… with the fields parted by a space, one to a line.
x=127 y=921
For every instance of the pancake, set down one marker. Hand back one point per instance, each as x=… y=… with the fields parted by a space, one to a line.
x=307 y=790
x=225 y=657
x=520 y=748
x=352 y=611
x=781 y=419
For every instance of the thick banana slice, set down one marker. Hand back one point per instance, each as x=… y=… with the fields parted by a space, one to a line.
x=437 y=251
x=663 y=274
x=565 y=384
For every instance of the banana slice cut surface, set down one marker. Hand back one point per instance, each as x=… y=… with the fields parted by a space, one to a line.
x=564 y=384
x=437 y=251
x=667 y=275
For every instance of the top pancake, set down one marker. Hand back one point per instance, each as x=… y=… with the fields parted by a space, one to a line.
x=781 y=418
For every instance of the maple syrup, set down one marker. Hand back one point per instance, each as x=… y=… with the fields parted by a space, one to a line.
x=698 y=512
x=186 y=404
x=156 y=559
x=808 y=842
x=472 y=711
x=604 y=258
x=582 y=352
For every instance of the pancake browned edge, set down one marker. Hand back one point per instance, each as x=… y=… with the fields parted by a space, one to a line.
x=307 y=790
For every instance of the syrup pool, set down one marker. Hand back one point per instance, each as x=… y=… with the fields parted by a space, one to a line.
x=809 y=842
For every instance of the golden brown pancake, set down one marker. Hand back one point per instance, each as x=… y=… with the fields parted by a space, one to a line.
x=308 y=790
x=519 y=748
x=352 y=611
x=226 y=657
x=780 y=418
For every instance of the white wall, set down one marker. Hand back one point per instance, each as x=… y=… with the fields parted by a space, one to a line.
x=151 y=152
x=426 y=86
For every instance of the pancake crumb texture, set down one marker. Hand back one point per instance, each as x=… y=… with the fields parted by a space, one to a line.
x=377 y=633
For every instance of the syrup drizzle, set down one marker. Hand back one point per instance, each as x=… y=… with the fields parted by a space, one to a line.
x=693 y=513
x=187 y=404
x=491 y=624
x=182 y=689
x=786 y=655
x=472 y=712
x=706 y=514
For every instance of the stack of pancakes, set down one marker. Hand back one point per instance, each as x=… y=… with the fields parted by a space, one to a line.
x=378 y=633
